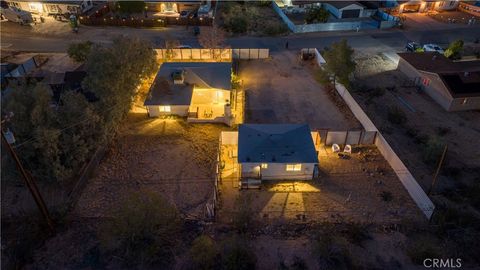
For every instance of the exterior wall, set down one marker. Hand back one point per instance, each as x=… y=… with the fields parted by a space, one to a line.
x=181 y=6
x=447 y=5
x=52 y=7
x=180 y=110
x=277 y=171
x=333 y=10
x=472 y=103
x=435 y=88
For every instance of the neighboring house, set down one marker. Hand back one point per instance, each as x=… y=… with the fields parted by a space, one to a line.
x=455 y=85
x=52 y=7
x=200 y=91
x=425 y=6
x=276 y=152
x=345 y=9
x=175 y=7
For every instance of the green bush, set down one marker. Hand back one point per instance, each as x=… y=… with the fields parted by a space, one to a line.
x=275 y=28
x=386 y=196
x=396 y=116
x=322 y=77
x=432 y=151
x=237 y=24
x=454 y=50
x=79 y=51
x=143 y=232
x=204 y=253
x=357 y=233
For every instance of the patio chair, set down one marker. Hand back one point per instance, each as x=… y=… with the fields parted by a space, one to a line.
x=335 y=148
x=347 y=149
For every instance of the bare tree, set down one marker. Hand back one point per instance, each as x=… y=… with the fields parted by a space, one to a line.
x=213 y=38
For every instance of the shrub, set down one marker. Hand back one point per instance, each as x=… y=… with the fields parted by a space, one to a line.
x=322 y=77
x=442 y=131
x=144 y=231
x=331 y=252
x=386 y=196
x=237 y=24
x=454 y=49
x=243 y=217
x=425 y=246
x=237 y=255
x=396 y=116
x=79 y=51
x=275 y=28
x=317 y=14
x=298 y=264
x=204 y=252
x=376 y=92
x=357 y=233
x=432 y=151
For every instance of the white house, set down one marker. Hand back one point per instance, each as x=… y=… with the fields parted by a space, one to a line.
x=270 y=152
x=200 y=91
x=52 y=7
x=345 y=9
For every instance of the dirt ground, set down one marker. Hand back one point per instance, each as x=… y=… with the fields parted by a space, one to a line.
x=460 y=130
x=348 y=190
x=167 y=156
x=282 y=90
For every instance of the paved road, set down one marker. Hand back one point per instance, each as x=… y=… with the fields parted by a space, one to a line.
x=22 y=38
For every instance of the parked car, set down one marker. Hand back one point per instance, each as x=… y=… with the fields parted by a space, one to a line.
x=433 y=48
x=412 y=46
x=184 y=47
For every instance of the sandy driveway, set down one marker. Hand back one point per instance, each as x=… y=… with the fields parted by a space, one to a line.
x=282 y=90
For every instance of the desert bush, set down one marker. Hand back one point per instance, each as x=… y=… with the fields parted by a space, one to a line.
x=376 y=92
x=411 y=132
x=275 y=28
x=356 y=233
x=454 y=50
x=331 y=251
x=396 y=116
x=442 y=131
x=423 y=246
x=204 y=253
x=322 y=77
x=237 y=255
x=236 y=24
x=432 y=151
x=79 y=51
x=386 y=196
x=298 y=264
x=143 y=232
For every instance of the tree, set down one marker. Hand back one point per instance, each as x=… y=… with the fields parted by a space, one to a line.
x=204 y=253
x=340 y=63
x=317 y=14
x=213 y=38
x=143 y=232
x=454 y=50
x=131 y=6
x=79 y=51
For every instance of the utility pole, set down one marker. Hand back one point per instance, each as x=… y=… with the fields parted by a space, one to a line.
x=32 y=187
x=438 y=169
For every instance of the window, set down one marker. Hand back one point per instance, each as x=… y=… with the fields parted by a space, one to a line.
x=464 y=101
x=165 y=109
x=264 y=166
x=294 y=167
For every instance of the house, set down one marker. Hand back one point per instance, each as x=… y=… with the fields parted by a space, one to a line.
x=271 y=152
x=425 y=6
x=199 y=91
x=175 y=7
x=345 y=9
x=455 y=85
x=52 y=7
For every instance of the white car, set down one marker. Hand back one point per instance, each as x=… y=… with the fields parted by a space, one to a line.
x=433 y=48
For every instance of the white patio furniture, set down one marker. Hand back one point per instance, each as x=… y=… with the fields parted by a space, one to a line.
x=347 y=149
x=335 y=148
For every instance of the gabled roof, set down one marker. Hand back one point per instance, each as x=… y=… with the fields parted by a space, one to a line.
x=343 y=4
x=276 y=143
x=462 y=78
x=202 y=75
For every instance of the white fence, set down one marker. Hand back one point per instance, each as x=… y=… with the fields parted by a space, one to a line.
x=414 y=189
x=205 y=55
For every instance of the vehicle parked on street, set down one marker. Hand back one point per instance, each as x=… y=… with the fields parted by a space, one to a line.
x=433 y=48
x=412 y=46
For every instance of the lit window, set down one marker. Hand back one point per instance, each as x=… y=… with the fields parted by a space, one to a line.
x=165 y=108
x=464 y=101
x=264 y=165
x=294 y=167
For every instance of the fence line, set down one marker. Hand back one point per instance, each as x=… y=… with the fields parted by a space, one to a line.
x=406 y=178
x=223 y=55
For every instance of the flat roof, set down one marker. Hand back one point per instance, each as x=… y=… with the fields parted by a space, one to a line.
x=196 y=74
x=276 y=143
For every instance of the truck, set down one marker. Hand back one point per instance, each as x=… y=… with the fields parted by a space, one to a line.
x=16 y=15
